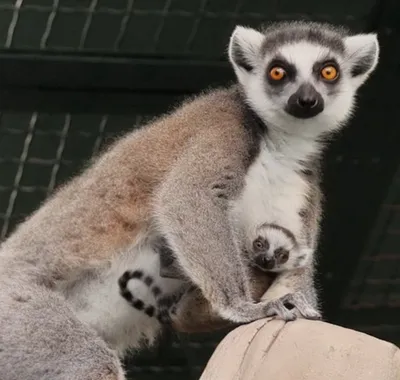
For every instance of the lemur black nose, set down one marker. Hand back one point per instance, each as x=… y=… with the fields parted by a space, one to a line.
x=306 y=102
x=265 y=263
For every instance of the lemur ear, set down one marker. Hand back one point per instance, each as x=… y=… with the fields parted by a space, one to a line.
x=362 y=51
x=244 y=48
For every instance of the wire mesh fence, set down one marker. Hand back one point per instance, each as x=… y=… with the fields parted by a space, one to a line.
x=162 y=27
x=40 y=151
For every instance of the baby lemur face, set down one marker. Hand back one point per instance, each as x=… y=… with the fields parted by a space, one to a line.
x=302 y=77
x=275 y=249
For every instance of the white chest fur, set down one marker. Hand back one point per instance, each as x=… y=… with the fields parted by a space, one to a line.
x=274 y=192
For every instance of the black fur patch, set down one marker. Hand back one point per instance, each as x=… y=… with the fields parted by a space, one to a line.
x=156 y=291
x=150 y=310
x=148 y=280
x=123 y=280
x=138 y=304
x=126 y=294
x=166 y=254
x=138 y=274
x=288 y=233
x=169 y=267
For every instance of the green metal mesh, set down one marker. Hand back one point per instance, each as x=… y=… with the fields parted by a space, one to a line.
x=40 y=151
x=162 y=27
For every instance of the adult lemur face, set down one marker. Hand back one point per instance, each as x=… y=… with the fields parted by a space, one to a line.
x=302 y=76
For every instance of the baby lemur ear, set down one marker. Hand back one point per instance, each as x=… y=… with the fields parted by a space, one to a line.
x=362 y=51
x=244 y=48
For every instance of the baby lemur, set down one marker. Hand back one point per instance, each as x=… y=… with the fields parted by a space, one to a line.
x=274 y=248
x=214 y=164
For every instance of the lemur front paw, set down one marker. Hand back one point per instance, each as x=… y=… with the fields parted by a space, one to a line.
x=300 y=306
x=278 y=309
x=292 y=306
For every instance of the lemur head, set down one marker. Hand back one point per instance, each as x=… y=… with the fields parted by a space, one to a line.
x=275 y=249
x=302 y=77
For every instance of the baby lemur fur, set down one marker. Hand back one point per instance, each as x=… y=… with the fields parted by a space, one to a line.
x=219 y=160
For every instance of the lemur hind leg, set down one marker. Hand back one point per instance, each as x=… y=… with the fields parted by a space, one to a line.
x=42 y=339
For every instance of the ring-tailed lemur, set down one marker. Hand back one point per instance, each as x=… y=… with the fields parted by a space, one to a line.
x=237 y=150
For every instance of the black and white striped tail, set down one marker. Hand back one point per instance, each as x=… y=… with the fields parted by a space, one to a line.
x=136 y=302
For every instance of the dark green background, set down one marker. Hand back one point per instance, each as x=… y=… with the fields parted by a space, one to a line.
x=76 y=73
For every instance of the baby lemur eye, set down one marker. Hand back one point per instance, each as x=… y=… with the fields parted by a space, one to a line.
x=277 y=73
x=260 y=244
x=329 y=73
x=282 y=253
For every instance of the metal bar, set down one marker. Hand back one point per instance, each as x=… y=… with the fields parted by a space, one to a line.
x=100 y=135
x=23 y=189
x=18 y=176
x=124 y=24
x=60 y=150
x=88 y=22
x=160 y=27
x=33 y=160
x=195 y=26
x=13 y=23
x=49 y=25
x=199 y=12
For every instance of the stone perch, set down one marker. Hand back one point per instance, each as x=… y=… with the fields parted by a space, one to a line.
x=301 y=350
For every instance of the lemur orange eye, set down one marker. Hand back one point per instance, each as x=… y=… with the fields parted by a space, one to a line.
x=329 y=73
x=277 y=73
